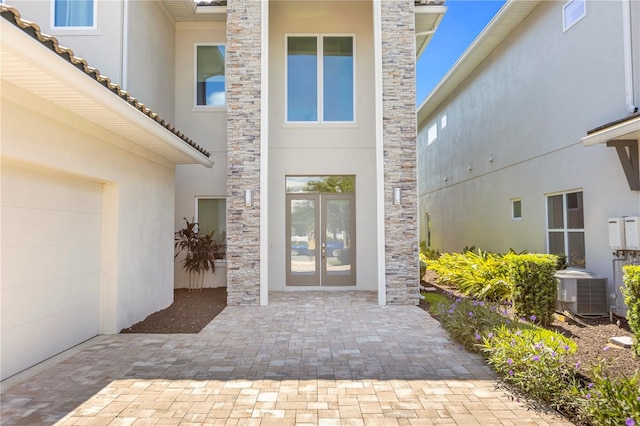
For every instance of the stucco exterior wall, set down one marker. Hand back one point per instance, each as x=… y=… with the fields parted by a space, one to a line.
x=323 y=149
x=137 y=202
x=513 y=131
x=101 y=47
x=399 y=139
x=206 y=125
x=150 y=57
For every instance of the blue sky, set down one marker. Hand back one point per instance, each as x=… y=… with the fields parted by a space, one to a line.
x=462 y=23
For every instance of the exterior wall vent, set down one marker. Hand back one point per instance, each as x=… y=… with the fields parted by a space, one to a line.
x=582 y=292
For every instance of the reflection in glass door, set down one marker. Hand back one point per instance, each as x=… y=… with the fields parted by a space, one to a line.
x=321 y=237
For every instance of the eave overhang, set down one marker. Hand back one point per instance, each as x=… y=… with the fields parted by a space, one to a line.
x=508 y=17
x=427 y=20
x=624 y=129
x=35 y=63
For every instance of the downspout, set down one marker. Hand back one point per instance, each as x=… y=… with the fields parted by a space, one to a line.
x=628 y=56
x=125 y=44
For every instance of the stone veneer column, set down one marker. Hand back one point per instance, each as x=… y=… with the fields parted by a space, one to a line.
x=399 y=139
x=243 y=70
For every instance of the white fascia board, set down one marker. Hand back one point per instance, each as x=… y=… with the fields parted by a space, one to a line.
x=42 y=58
x=613 y=132
x=508 y=17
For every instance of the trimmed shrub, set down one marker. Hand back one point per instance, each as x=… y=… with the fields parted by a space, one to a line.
x=534 y=285
x=631 y=291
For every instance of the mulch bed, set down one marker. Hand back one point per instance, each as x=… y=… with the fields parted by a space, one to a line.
x=190 y=312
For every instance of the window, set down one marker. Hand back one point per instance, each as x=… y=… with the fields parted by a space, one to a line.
x=211 y=216
x=572 y=12
x=210 y=75
x=432 y=133
x=565 y=227
x=443 y=121
x=74 y=13
x=516 y=209
x=320 y=79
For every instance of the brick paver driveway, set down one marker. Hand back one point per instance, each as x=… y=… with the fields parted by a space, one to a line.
x=308 y=358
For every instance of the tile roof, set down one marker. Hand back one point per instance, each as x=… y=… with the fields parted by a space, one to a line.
x=13 y=16
x=212 y=3
x=613 y=123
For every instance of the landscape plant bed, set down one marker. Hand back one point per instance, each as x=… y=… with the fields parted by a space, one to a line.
x=592 y=340
x=190 y=312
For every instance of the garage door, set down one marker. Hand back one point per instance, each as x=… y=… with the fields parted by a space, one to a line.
x=51 y=244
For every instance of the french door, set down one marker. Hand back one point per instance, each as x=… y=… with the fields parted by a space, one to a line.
x=321 y=248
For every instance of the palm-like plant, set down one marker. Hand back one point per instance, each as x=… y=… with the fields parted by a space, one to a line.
x=201 y=251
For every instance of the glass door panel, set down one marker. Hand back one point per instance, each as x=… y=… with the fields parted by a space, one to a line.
x=338 y=260
x=302 y=249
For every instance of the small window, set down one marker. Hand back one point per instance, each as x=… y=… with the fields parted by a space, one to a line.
x=211 y=217
x=210 y=75
x=320 y=74
x=74 y=13
x=432 y=133
x=572 y=12
x=516 y=209
x=443 y=121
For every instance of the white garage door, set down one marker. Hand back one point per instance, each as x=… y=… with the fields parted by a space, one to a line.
x=51 y=244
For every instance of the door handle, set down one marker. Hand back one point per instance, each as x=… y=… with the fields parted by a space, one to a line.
x=324 y=250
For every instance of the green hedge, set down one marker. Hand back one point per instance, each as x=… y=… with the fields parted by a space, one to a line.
x=631 y=291
x=534 y=285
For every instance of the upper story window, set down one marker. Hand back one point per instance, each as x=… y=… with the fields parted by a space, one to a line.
x=432 y=133
x=565 y=227
x=516 y=209
x=210 y=75
x=572 y=12
x=74 y=13
x=320 y=74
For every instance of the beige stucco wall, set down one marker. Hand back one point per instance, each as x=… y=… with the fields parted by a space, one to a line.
x=205 y=125
x=323 y=149
x=101 y=47
x=150 y=57
x=137 y=202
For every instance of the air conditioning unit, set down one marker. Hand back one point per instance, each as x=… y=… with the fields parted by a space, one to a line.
x=582 y=292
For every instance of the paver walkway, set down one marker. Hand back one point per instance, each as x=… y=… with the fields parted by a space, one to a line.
x=326 y=358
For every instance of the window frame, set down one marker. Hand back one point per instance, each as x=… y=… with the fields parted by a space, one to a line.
x=195 y=79
x=197 y=198
x=565 y=230
x=74 y=29
x=432 y=127
x=320 y=83
x=565 y=26
x=513 y=212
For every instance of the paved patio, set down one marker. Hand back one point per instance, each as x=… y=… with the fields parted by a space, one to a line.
x=326 y=358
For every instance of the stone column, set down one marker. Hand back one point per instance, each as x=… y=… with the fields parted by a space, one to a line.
x=243 y=69
x=399 y=139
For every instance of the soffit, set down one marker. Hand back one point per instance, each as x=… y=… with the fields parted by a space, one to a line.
x=428 y=17
x=191 y=11
x=507 y=18
x=36 y=63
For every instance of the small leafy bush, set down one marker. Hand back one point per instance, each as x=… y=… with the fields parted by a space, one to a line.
x=467 y=320
x=434 y=300
x=534 y=285
x=533 y=359
x=610 y=401
x=631 y=291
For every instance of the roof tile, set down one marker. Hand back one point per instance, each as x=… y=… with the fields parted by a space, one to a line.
x=13 y=16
